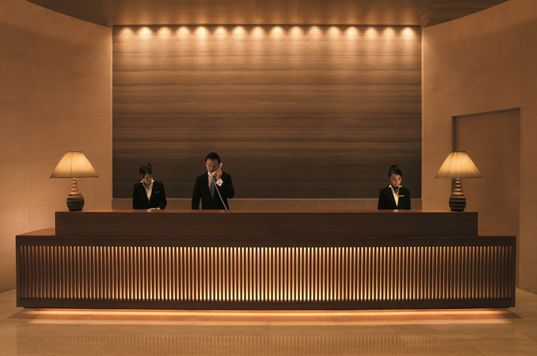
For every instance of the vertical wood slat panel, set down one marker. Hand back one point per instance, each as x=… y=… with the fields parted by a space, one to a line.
x=265 y=274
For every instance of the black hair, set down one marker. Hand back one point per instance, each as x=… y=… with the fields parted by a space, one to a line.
x=395 y=170
x=213 y=155
x=147 y=169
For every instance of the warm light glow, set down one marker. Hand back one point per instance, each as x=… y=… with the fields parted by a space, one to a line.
x=388 y=33
x=220 y=31
x=334 y=32
x=351 y=32
x=74 y=165
x=296 y=32
x=183 y=31
x=371 y=33
x=258 y=32
x=201 y=32
x=481 y=312
x=208 y=285
x=145 y=32
x=126 y=32
x=164 y=32
x=458 y=164
x=408 y=33
x=275 y=317
x=263 y=322
x=277 y=32
x=315 y=31
x=238 y=32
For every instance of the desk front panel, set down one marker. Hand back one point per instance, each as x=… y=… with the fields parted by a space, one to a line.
x=148 y=273
x=258 y=227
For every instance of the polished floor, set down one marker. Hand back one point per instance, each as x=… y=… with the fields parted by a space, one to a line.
x=135 y=332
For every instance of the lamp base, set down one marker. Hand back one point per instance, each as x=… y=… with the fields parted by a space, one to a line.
x=457 y=200
x=75 y=200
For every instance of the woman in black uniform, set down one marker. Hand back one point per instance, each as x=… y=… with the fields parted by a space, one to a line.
x=394 y=196
x=148 y=193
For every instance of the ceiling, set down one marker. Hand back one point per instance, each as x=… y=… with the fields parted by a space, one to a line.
x=267 y=12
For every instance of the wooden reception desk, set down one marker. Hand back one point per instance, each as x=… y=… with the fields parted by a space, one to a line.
x=256 y=259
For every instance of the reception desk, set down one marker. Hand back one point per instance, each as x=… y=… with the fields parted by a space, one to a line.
x=256 y=260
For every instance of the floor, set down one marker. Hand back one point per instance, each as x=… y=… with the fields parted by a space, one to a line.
x=134 y=332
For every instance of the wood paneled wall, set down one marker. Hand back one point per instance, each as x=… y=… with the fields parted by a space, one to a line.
x=295 y=112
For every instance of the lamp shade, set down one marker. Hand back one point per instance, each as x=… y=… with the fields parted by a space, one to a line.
x=74 y=164
x=458 y=164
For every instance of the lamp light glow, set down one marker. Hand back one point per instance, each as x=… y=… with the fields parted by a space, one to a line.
x=458 y=165
x=74 y=164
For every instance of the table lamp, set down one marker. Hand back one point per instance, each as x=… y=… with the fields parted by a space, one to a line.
x=74 y=164
x=458 y=165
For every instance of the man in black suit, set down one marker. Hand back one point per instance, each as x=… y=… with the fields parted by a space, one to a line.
x=148 y=193
x=394 y=196
x=213 y=187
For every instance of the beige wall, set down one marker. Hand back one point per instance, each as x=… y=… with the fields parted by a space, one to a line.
x=493 y=142
x=55 y=95
x=481 y=63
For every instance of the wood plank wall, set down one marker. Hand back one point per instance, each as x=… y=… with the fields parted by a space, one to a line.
x=295 y=112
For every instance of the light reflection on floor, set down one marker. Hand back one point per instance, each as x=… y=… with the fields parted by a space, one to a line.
x=169 y=332
x=274 y=317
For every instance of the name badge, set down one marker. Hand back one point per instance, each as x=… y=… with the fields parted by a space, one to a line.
x=401 y=195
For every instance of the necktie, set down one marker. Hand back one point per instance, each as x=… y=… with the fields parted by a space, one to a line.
x=211 y=186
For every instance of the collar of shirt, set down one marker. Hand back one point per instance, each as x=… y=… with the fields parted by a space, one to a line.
x=219 y=182
x=152 y=181
x=390 y=186
x=149 y=189
x=395 y=194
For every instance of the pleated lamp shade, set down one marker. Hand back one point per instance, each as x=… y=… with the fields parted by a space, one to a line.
x=458 y=164
x=74 y=164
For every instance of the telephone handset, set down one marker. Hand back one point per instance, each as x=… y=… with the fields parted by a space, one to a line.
x=216 y=185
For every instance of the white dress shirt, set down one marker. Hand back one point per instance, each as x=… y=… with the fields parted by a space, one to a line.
x=148 y=190
x=219 y=182
x=395 y=194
